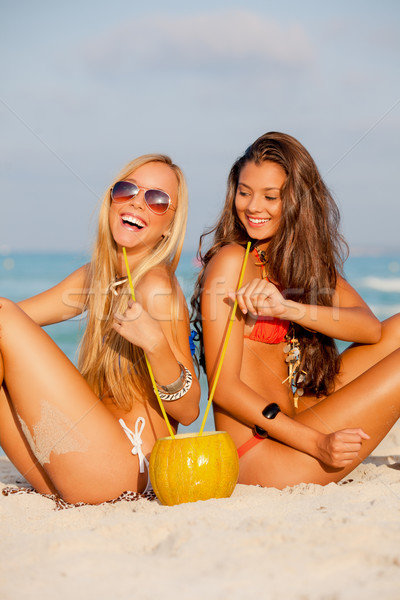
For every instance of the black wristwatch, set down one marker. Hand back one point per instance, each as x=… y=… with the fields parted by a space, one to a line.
x=269 y=412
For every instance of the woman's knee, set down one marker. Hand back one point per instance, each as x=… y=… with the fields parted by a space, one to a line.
x=7 y=305
x=391 y=330
x=8 y=309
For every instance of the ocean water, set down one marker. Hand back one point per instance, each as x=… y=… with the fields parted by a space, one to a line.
x=377 y=280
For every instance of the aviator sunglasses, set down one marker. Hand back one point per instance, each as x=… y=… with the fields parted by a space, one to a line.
x=157 y=200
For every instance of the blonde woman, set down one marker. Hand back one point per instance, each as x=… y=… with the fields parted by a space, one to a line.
x=86 y=435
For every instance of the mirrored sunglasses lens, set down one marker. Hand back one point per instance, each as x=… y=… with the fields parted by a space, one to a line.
x=157 y=200
x=123 y=191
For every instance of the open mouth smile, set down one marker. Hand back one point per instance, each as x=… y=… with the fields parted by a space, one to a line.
x=256 y=221
x=132 y=223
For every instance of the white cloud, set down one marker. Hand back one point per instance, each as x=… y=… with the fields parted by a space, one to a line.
x=202 y=40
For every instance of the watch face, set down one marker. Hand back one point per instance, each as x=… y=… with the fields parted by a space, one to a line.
x=271 y=410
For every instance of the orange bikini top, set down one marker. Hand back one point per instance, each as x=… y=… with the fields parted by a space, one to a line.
x=269 y=330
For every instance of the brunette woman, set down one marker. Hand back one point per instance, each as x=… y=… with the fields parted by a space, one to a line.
x=297 y=410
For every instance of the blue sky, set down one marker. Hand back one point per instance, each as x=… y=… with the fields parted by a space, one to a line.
x=87 y=86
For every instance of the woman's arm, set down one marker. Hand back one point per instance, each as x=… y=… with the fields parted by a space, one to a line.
x=232 y=394
x=147 y=323
x=59 y=303
x=349 y=319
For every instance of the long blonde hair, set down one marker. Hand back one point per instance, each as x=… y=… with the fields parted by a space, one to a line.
x=111 y=365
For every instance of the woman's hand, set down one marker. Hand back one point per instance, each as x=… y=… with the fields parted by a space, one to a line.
x=260 y=298
x=341 y=448
x=138 y=327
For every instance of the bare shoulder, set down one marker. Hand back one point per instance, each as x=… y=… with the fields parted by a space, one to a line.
x=231 y=252
x=156 y=291
x=226 y=263
x=159 y=278
x=342 y=283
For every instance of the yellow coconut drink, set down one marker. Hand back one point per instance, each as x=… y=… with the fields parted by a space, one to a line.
x=192 y=467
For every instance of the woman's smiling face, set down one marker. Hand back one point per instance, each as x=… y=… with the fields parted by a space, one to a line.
x=132 y=223
x=258 y=200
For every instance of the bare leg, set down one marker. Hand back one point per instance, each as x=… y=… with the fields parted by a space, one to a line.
x=15 y=445
x=358 y=358
x=82 y=450
x=371 y=401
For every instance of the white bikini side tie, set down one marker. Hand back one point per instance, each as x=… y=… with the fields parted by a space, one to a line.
x=136 y=439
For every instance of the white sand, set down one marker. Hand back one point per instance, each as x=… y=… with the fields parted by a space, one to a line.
x=333 y=542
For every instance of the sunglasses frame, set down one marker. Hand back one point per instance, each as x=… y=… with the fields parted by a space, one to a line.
x=145 y=190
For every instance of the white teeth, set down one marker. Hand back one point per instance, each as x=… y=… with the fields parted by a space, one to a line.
x=257 y=221
x=133 y=220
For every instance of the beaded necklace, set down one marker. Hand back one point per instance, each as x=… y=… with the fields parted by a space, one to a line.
x=262 y=258
x=291 y=348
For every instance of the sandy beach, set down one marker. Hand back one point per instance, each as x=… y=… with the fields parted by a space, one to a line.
x=306 y=542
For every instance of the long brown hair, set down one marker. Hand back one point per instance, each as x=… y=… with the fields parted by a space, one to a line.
x=110 y=364
x=304 y=256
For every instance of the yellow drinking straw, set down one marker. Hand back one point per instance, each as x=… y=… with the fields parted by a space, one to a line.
x=153 y=381
x=224 y=347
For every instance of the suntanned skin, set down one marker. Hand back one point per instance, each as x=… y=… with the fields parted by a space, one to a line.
x=36 y=371
x=307 y=447
x=325 y=438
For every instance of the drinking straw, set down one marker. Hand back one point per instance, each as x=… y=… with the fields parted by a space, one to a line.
x=224 y=347
x=153 y=381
